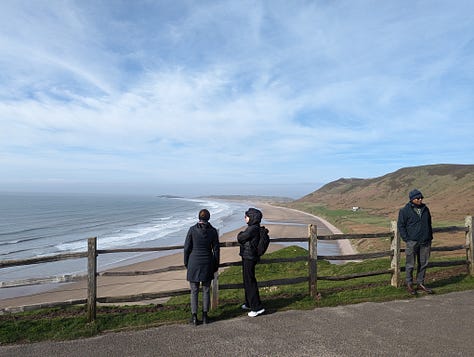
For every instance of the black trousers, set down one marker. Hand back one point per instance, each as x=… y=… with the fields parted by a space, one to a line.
x=252 y=296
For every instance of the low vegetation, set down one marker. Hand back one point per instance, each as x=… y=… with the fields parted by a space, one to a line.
x=70 y=323
x=347 y=220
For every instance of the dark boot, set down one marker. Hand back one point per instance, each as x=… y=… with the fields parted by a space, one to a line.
x=410 y=289
x=425 y=289
x=205 y=318
x=194 y=320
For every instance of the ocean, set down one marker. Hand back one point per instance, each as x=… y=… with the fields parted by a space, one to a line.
x=35 y=225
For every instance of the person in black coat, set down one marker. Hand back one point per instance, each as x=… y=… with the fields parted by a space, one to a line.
x=201 y=258
x=248 y=240
x=414 y=226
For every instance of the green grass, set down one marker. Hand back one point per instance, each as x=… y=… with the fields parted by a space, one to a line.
x=342 y=217
x=70 y=323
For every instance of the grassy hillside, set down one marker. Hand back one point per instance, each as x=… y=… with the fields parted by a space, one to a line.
x=448 y=191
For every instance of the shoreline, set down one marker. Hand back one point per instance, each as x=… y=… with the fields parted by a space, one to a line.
x=282 y=222
x=345 y=245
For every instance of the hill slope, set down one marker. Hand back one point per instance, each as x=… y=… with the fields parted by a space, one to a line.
x=448 y=191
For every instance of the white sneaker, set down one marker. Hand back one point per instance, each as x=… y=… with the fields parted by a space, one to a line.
x=245 y=307
x=256 y=313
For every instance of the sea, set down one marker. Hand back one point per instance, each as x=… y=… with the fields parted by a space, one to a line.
x=39 y=224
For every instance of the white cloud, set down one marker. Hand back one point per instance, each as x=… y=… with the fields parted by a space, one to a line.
x=267 y=92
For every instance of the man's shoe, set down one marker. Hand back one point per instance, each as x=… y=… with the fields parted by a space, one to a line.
x=245 y=307
x=410 y=289
x=425 y=289
x=256 y=313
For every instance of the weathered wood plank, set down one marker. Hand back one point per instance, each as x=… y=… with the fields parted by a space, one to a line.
x=450 y=229
x=386 y=253
x=357 y=275
x=39 y=281
x=443 y=249
x=143 y=272
x=356 y=236
x=289 y=240
x=182 y=267
x=141 y=297
x=469 y=245
x=395 y=241
x=42 y=306
x=447 y=263
x=313 y=260
x=51 y=258
x=91 y=279
x=448 y=248
x=267 y=283
x=139 y=250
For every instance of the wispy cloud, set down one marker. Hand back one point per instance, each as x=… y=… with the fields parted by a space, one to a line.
x=227 y=92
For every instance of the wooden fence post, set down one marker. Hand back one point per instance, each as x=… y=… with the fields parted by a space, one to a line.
x=469 y=245
x=215 y=291
x=313 y=257
x=395 y=248
x=91 y=278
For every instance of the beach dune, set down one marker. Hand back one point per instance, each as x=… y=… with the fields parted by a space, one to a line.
x=281 y=222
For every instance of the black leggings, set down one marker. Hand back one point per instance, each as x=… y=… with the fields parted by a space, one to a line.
x=252 y=296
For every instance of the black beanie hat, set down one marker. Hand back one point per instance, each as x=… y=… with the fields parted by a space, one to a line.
x=415 y=194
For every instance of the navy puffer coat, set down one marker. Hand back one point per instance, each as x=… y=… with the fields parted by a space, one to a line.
x=201 y=252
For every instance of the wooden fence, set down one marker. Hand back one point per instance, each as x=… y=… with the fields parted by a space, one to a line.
x=394 y=270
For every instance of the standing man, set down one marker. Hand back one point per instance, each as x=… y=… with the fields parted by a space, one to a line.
x=414 y=225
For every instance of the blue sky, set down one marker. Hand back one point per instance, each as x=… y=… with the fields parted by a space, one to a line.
x=230 y=97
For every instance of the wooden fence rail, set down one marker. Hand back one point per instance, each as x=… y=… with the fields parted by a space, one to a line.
x=394 y=270
x=51 y=258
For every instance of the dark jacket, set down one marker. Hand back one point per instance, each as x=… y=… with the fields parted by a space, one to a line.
x=414 y=227
x=201 y=252
x=249 y=238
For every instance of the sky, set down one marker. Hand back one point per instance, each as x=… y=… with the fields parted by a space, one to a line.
x=230 y=97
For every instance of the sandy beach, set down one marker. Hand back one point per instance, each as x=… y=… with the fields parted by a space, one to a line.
x=281 y=222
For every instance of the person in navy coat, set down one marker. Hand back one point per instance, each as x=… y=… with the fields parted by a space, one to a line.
x=415 y=228
x=201 y=258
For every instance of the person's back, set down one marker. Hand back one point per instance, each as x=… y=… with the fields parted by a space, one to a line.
x=201 y=258
x=204 y=238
